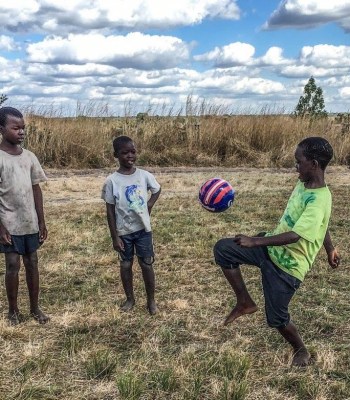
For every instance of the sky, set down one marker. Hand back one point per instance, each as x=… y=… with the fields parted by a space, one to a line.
x=127 y=56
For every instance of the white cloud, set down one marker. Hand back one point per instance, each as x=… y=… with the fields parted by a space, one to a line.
x=69 y=70
x=61 y=89
x=242 y=54
x=274 y=56
x=226 y=56
x=239 y=84
x=310 y=13
x=74 y=15
x=7 y=43
x=319 y=61
x=11 y=70
x=17 y=15
x=135 y=50
x=339 y=81
x=96 y=93
x=344 y=92
x=325 y=55
x=302 y=71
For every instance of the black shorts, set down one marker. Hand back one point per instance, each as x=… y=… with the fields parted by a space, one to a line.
x=140 y=242
x=22 y=244
x=279 y=287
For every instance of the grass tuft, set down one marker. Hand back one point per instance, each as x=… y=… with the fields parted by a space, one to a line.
x=129 y=386
x=100 y=365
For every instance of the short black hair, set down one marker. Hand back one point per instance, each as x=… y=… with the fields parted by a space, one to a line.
x=119 y=142
x=5 y=111
x=317 y=148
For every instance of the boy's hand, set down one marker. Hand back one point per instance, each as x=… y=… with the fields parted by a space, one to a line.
x=42 y=232
x=118 y=244
x=333 y=258
x=244 y=241
x=5 y=237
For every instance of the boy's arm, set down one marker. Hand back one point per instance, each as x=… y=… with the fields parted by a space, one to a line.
x=332 y=253
x=275 y=240
x=154 y=197
x=5 y=237
x=118 y=244
x=38 y=201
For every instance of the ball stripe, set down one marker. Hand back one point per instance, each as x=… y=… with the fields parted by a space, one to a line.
x=212 y=190
x=222 y=194
x=205 y=186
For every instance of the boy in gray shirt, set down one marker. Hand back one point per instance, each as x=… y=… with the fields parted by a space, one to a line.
x=22 y=223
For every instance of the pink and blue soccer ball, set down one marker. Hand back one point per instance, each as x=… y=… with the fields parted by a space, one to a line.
x=216 y=195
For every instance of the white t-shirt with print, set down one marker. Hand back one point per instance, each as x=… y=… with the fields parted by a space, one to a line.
x=129 y=194
x=18 y=174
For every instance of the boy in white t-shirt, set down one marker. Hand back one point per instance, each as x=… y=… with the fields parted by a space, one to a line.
x=128 y=214
x=22 y=222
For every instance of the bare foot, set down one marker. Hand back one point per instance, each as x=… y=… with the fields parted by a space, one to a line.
x=39 y=316
x=127 y=305
x=15 y=318
x=238 y=311
x=152 y=307
x=301 y=358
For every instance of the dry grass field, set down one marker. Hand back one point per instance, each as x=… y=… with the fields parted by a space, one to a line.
x=92 y=351
x=201 y=141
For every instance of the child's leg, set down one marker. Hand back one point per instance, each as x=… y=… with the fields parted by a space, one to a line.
x=229 y=256
x=145 y=254
x=12 y=261
x=30 y=262
x=149 y=279
x=279 y=288
x=301 y=356
x=245 y=304
x=127 y=281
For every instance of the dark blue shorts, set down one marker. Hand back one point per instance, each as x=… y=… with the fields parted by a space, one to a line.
x=279 y=287
x=139 y=242
x=22 y=244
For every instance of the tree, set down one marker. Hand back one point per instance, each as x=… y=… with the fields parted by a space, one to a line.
x=311 y=103
x=3 y=98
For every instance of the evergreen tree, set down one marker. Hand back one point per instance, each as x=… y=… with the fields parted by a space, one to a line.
x=311 y=103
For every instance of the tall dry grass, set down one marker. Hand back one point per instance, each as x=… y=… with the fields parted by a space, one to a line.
x=204 y=137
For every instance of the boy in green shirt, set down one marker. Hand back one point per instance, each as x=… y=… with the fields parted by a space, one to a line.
x=285 y=255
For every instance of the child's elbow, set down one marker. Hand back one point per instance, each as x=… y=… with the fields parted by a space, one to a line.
x=294 y=237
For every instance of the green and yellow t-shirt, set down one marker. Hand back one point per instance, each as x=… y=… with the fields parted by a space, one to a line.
x=307 y=214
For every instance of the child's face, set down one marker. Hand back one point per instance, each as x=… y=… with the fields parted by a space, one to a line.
x=127 y=155
x=304 y=166
x=13 y=131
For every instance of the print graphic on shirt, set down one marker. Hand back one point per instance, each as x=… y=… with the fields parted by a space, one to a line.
x=284 y=257
x=294 y=207
x=289 y=220
x=133 y=196
x=309 y=198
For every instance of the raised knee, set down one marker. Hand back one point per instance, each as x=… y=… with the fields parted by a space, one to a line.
x=219 y=245
x=219 y=250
